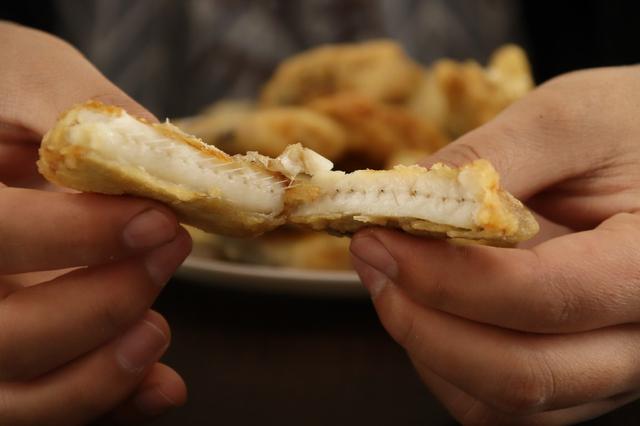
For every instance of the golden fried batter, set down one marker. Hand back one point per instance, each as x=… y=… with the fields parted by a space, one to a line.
x=217 y=124
x=375 y=130
x=379 y=69
x=270 y=131
x=460 y=96
x=236 y=127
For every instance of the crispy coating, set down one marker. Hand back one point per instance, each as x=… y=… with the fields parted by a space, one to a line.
x=270 y=131
x=379 y=69
x=236 y=127
x=344 y=203
x=460 y=96
x=100 y=148
x=375 y=130
x=77 y=166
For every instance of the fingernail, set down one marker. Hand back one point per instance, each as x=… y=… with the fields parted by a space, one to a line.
x=374 y=281
x=149 y=229
x=153 y=402
x=162 y=262
x=141 y=346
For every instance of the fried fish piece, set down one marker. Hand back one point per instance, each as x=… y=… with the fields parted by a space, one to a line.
x=376 y=130
x=464 y=202
x=236 y=127
x=379 y=69
x=100 y=148
x=460 y=96
x=270 y=131
x=217 y=124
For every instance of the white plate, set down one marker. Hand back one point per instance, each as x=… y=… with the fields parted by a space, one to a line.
x=221 y=274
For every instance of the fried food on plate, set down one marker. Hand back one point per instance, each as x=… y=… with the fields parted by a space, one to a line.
x=217 y=124
x=237 y=127
x=460 y=96
x=270 y=131
x=100 y=148
x=379 y=69
x=375 y=130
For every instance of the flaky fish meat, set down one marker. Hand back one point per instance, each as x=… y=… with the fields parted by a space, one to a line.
x=100 y=148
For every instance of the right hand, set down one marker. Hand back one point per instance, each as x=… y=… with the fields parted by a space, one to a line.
x=546 y=334
x=75 y=346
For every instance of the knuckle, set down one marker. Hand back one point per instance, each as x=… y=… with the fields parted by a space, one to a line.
x=461 y=153
x=527 y=386
x=563 y=307
x=554 y=306
x=559 y=306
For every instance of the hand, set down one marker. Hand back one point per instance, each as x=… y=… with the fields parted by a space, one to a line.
x=81 y=344
x=41 y=77
x=541 y=335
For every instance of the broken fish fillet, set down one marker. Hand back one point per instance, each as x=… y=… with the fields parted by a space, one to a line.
x=100 y=148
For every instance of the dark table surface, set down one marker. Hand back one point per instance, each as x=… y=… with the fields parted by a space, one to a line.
x=251 y=358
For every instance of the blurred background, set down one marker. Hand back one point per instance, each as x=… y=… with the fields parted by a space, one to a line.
x=284 y=359
x=177 y=56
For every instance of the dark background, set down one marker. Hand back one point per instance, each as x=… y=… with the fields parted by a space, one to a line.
x=252 y=358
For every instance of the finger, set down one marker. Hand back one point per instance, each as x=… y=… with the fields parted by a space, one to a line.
x=510 y=371
x=93 y=229
x=548 y=230
x=18 y=163
x=162 y=390
x=47 y=325
x=577 y=282
x=48 y=80
x=468 y=410
x=90 y=386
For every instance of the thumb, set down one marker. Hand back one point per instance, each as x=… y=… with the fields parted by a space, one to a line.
x=533 y=144
x=511 y=147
